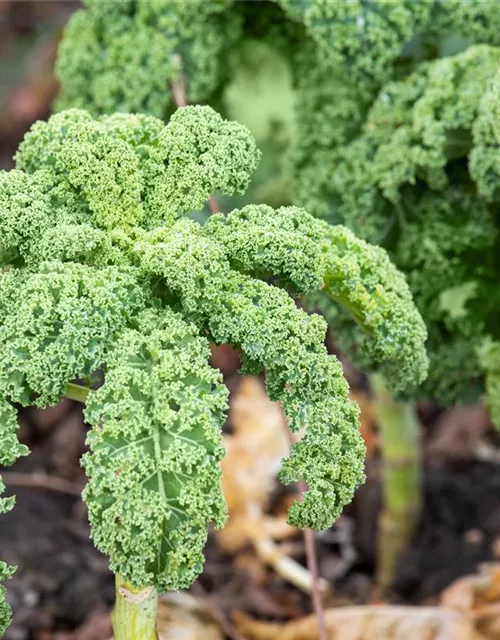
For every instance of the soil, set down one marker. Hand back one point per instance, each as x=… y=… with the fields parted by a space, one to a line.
x=459 y=528
x=61 y=577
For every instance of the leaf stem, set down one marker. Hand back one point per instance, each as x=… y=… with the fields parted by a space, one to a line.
x=312 y=565
x=401 y=478
x=179 y=85
x=41 y=481
x=135 y=612
x=76 y=392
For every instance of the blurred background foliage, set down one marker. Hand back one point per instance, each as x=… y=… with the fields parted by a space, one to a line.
x=29 y=34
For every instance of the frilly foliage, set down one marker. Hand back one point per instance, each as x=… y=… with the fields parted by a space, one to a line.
x=263 y=321
x=5 y=609
x=103 y=270
x=313 y=256
x=60 y=326
x=371 y=148
x=469 y=21
x=366 y=37
x=126 y=171
x=422 y=177
x=154 y=478
x=10 y=450
x=407 y=158
x=122 y=56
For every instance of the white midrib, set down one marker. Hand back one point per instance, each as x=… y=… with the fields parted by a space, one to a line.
x=161 y=486
x=157 y=447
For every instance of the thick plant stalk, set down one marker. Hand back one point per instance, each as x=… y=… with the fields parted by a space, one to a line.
x=401 y=478
x=76 y=392
x=135 y=612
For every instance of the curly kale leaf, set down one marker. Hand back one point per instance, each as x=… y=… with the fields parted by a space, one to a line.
x=272 y=334
x=484 y=163
x=421 y=178
x=463 y=22
x=450 y=234
x=329 y=113
x=414 y=130
x=10 y=450
x=154 y=478
x=124 y=55
x=131 y=170
x=112 y=280
x=5 y=609
x=365 y=37
x=61 y=326
x=312 y=255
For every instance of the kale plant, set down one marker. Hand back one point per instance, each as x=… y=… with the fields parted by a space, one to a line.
x=106 y=275
x=391 y=130
x=364 y=150
x=406 y=159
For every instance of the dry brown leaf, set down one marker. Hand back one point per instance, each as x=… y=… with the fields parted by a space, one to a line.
x=491 y=593
x=183 y=617
x=478 y=597
x=373 y=622
x=470 y=592
x=470 y=610
x=253 y=455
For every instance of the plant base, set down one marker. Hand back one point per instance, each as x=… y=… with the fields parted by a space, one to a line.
x=134 y=615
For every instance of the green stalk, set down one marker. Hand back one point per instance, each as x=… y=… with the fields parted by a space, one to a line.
x=401 y=478
x=134 y=615
x=76 y=392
